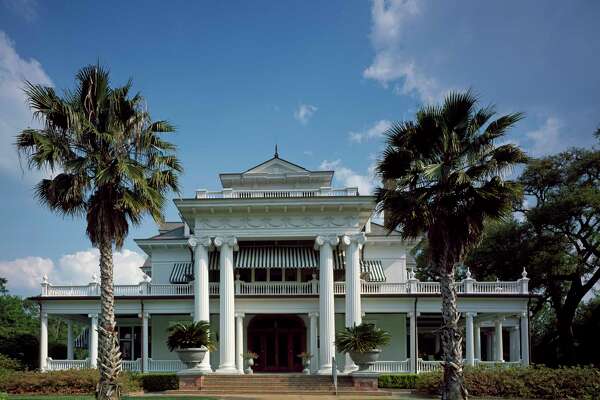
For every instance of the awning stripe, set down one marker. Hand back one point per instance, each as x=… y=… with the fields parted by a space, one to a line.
x=277 y=257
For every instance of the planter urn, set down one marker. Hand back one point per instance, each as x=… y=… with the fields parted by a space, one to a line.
x=365 y=360
x=192 y=357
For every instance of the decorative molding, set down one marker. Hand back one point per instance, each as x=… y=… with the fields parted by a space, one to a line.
x=245 y=222
x=240 y=315
x=202 y=241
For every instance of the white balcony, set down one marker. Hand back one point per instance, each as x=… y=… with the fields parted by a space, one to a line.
x=310 y=288
x=271 y=194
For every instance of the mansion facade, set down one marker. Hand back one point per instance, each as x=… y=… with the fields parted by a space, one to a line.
x=278 y=261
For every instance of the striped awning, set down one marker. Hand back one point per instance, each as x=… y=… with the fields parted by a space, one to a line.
x=183 y=272
x=373 y=268
x=276 y=257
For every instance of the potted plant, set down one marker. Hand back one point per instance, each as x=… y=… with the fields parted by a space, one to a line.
x=363 y=343
x=191 y=341
x=249 y=356
x=305 y=357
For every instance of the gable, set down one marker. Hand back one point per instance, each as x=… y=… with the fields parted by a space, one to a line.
x=276 y=166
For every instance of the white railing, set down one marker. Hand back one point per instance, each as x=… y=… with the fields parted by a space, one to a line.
x=390 y=366
x=60 y=365
x=506 y=364
x=496 y=287
x=165 y=365
x=273 y=288
x=284 y=193
x=383 y=288
x=428 y=366
x=412 y=286
x=132 y=365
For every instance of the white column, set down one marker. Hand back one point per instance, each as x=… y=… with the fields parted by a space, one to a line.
x=70 y=352
x=514 y=344
x=326 y=302
x=226 y=306
x=239 y=342
x=201 y=293
x=93 y=343
x=313 y=341
x=524 y=328
x=353 y=301
x=413 y=341
x=145 y=317
x=498 y=340
x=43 y=340
x=470 y=347
x=477 y=334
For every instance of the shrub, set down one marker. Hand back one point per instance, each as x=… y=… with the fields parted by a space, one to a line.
x=533 y=382
x=190 y=335
x=403 y=381
x=59 y=382
x=159 y=382
x=361 y=338
x=9 y=364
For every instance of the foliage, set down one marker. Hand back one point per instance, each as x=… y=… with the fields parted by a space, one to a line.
x=159 y=382
x=400 y=381
x=250 y=355
x=110 y=165
x=443 y=177
x=59 y=382
x=361 y=338
x=190 y=335
x=9 y=364
x=518 y=382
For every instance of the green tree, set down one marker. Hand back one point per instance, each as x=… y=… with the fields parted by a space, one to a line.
x=111 y=165
x=443 y=177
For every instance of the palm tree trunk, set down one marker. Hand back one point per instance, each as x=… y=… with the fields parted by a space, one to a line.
x=453 y=385
x=109 y=355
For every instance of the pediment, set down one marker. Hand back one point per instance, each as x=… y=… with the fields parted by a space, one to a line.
x=276 y=166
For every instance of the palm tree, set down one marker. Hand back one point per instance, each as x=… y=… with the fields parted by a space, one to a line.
x=111 y=165
x=443 y=177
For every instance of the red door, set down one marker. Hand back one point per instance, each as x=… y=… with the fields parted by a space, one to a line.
x=277 y=339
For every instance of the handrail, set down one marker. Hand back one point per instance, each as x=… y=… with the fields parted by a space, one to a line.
x=275 y=193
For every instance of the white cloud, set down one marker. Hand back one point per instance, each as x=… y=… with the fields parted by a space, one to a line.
x=546 y=139
x=391 y=63
x=14 y=111
x=25 y=274
x=304 y=113
x=349 y=178
x=375 y=131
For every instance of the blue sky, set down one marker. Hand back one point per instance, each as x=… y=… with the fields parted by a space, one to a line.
x=321 y=79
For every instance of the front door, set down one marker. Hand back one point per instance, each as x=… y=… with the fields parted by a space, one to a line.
x=277 y=339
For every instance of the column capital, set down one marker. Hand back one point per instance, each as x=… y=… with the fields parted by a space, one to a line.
x=93 y=316
x=313 y=315
x=411 y=314
x=44 y=315
x=498 y=320
x=322 y=240
x=357 y=238
x=524 y=314
x=202 y=241
x=144 y=315
x=230 y=241
x=470 y=314
x=240 y=315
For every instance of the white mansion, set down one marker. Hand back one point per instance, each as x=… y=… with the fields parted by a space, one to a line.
x=277 y=261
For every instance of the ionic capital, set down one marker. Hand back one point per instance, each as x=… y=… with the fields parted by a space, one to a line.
x=144 y=315
x=93 y=316
x=230 y=241
x=470 y=314
x=313 y=315
x=322 y=240
x=202 y=241
x=357 y=238
x=240 y=315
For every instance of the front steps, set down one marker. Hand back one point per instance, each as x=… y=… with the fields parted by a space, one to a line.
x=216 y=384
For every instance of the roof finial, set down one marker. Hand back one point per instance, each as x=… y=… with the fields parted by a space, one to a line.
x=276 y=152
